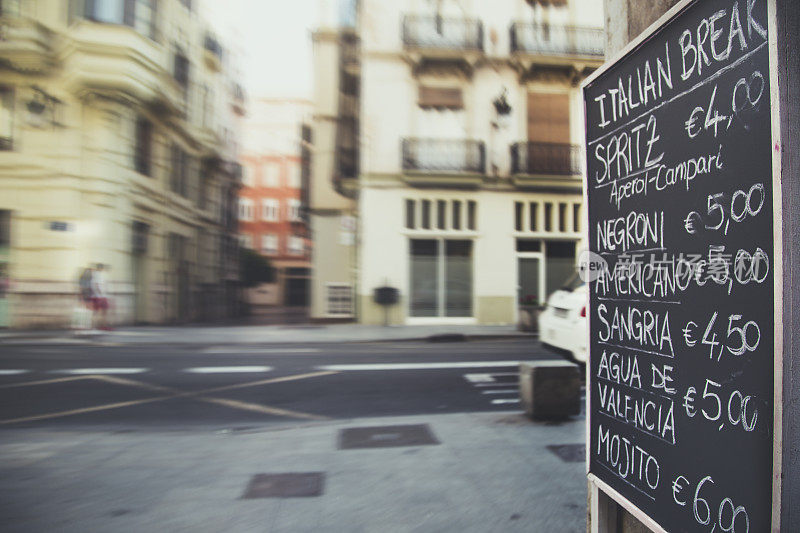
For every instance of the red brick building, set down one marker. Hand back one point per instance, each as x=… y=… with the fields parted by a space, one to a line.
x=270 y=213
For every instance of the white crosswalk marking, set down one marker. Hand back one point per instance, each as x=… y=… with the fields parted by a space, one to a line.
x=83 y=371
x=227 y=369
x=505 y=400
x=500 y=391
x=12 y=371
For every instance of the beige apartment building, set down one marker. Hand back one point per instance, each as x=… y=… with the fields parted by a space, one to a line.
x=446 y=159
x=118 y=145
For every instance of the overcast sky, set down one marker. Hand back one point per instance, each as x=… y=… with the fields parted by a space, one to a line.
x=272 y=39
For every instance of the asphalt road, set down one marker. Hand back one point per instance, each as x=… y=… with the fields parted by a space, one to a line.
x=236 y=387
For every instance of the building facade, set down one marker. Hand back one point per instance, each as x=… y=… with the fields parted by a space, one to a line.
x=271 y=214
x=466 y=196
x=118 y=146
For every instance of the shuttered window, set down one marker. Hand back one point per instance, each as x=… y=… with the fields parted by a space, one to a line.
x=548 y=118
x=440 y=97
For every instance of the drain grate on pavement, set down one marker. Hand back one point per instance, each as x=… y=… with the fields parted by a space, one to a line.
x=289 y=485
x=569 y=453
x=386 y=436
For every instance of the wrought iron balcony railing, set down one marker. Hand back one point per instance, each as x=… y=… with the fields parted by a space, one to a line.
x=545 y=158
x=442 y=33
x=556 y=39
x=444 y=155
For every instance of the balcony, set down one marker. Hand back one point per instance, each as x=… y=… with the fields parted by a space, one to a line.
x=212 y=54
x=443 y=162
x=433 y=39
x=115 y=59
x=556 y=45
x=25 y=44
x=551 y=166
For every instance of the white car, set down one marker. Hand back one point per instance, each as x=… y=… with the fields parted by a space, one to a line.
x=562 y=324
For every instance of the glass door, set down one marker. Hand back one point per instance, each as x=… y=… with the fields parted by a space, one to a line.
x=530 y=282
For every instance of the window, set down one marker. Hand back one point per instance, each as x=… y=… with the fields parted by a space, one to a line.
x=562 y=217
x=472 y=207
x=9 y=7
x=144 y=146
x=6 y=118
x=576 y=217
x=426 y=214
x=441 y=278
x=272 y=175
x=269 y=243
x=296 y=245
x=269 y=210
x=179 y=170
x=410 y=215
x=246 y=241
x=339 y=299
x=548 y=216
x=529 y=245
x=456 y=214
x=112 y=11
x=559 y=264
x=294 y=210
x=245 y=209
x=441 y=206
x=181 y=70
x=138 y=14
x=294 y=176
x=248 y=179
x=534 y=216
x=518 y=208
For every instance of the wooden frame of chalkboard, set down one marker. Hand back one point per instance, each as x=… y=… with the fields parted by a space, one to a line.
x=727 y=509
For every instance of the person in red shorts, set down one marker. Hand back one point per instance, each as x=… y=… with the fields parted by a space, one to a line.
x=100 y=301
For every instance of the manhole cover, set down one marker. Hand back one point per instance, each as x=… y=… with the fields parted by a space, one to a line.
x=386 y=437
x=290 y=485
x=569 y=453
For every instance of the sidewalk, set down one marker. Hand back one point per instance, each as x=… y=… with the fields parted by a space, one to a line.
x=489 y=472
x=308 y=334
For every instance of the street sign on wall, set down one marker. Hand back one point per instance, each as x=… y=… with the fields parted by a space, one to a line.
x=680 y=208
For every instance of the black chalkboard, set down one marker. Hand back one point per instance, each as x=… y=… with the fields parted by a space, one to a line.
x=679 y=188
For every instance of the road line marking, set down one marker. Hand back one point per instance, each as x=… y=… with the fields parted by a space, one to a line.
x=72 y=412
x=421 y=366
x=173 y=394
x=504 y=400
x=497 y=384
x=479 y=378
x=139 y=384
x=13 y=371
x=42 y=382
x=268 y=381
x=264 y=409
x=509 y=391
x=256 y=350
x=226 y=369
x=87 y=371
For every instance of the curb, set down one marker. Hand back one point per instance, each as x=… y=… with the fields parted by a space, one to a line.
x=70 y=337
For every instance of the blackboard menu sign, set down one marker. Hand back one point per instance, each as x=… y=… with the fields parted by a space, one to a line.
x=679 y=192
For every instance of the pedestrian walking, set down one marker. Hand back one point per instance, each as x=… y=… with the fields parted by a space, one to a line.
x=100 y=297
x=82 y=314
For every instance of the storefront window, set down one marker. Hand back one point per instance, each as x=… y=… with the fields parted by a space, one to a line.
x=441 y=278
x=424 y=277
